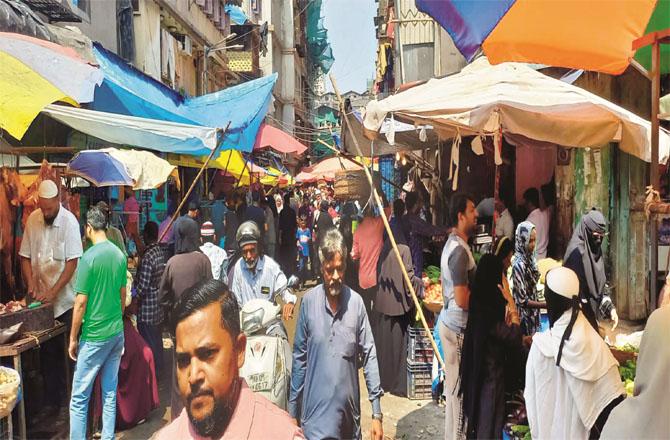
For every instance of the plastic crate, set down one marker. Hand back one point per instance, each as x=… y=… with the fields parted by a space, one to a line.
x=419 y=380
x=419 y=348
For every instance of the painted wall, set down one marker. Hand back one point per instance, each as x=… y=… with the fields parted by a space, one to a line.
x=100 y=24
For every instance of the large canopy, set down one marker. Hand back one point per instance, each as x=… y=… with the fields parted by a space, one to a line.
x=404 y=137
x=326 y=169
x=127 y=91
x=169 y=137
x=35 y=73
x=590 y=35
x=482 y=98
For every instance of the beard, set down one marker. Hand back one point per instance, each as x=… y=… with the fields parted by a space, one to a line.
x=214 y=424
x=251 y=265
x=335 y=289
x=49 y=220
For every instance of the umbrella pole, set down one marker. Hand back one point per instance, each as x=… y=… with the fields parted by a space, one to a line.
x=654 y=174
x=190 y=189
x=244 y=168
x=380 y=206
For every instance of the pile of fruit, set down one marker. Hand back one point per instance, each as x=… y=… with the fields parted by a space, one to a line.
x=12 y=306
x=627 y=370
x=9 y=390
x=432 y=288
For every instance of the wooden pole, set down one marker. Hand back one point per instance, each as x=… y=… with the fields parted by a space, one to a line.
x=654 y=172
x=380 y=206
x=197 y=177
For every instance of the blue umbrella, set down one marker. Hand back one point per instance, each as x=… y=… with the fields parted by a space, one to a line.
x=100 y=169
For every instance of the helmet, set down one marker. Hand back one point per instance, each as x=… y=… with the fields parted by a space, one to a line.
x=248 y=233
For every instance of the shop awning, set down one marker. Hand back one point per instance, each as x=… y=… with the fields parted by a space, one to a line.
x=278 y=140
x=482 y=98
x=35 y=73
x=406 y=137
x=127 y=91
x=147 y=170
x=326 y=169
x=168 y=137
x=590 y=35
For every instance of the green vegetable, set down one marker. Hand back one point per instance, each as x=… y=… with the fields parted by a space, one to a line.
x=627 y=370
x=628 y=348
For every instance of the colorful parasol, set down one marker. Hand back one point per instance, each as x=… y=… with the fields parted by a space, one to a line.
x=35 y=73
x=100 y=168
x=589 y=35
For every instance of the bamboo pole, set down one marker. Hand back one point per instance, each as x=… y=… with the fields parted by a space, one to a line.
x=197 y=177
x=380 y=206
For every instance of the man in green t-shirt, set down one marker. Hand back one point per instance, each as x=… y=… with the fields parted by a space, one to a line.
x=98 y=311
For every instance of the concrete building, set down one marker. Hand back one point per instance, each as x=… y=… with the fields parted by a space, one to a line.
x=412 y=47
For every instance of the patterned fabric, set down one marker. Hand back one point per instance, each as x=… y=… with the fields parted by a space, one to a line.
x=147 y=283
x=525 y=276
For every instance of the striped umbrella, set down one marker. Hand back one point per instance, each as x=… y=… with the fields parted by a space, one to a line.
x=591 y=35
x=35 y=73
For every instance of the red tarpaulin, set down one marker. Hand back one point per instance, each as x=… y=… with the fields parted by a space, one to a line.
x=271 y=137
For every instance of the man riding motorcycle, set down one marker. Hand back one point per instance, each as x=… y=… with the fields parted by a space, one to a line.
x=256 y=275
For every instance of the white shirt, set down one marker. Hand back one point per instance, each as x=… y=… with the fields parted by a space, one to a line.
x=217 y=257
x=505 y=225
x=564 y=402
x=49 y=248
x=540 y=219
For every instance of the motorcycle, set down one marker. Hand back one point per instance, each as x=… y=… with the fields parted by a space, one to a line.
x=268 y=357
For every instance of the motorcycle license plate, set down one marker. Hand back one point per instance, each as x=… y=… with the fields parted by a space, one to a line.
x=259 y=381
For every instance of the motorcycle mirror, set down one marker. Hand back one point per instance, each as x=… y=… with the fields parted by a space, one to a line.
x=293 y=281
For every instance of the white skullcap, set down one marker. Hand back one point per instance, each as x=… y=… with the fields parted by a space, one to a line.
x=48 y=189
x=563 y=281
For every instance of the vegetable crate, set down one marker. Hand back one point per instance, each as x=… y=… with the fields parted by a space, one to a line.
x=419 y=380
x=419 y=348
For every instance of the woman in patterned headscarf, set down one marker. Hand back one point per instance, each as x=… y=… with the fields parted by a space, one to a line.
x=525 y=276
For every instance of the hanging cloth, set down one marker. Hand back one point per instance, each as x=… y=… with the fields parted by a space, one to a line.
x=455 y=161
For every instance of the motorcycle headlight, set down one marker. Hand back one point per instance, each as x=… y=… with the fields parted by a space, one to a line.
x=252 y=321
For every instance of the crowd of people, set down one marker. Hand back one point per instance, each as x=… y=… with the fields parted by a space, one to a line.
x=194 y=277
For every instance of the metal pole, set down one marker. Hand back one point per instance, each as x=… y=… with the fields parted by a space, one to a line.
x=654 y=172
x=380 y=206
x=204 y=71
x=188 y=193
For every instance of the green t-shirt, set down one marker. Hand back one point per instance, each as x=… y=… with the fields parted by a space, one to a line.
x=101 y=273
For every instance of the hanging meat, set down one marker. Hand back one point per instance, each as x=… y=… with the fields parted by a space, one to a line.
x=12 y=193
x=31 y=201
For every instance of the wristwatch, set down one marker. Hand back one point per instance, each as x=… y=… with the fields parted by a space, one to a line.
x=379 y=417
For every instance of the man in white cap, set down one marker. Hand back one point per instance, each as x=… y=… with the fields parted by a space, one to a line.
x=572 y=379
x=50 y=250
x=217 y=256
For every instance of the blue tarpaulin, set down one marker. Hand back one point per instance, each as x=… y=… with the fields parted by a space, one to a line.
x=236 y=14
x=128 y=91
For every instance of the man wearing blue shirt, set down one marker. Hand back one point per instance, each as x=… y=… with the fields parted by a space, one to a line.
x=332 y=334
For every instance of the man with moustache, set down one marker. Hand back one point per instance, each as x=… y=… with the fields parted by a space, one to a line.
x=210 y=350
x=332 y=334
x=50 y=250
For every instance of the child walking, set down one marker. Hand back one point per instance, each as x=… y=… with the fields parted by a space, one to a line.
x=304 y=237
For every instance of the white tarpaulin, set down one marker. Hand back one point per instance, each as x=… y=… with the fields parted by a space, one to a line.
x=147 y=170
x=482 y=98
x=152 y=134
x=665 y=107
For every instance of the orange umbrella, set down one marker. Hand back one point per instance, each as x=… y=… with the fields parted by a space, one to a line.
x=581 y=34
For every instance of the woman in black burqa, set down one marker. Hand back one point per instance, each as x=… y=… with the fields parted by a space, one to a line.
x=487 y=338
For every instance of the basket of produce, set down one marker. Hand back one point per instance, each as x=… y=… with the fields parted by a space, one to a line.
x=10 y=384
x=432 y=289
